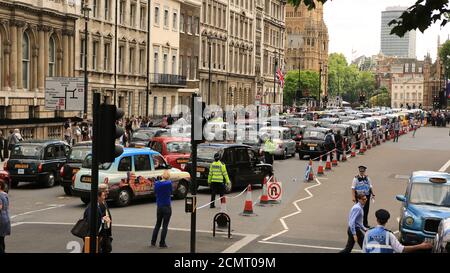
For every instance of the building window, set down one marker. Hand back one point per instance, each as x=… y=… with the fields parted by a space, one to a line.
x=175 y=21
x=94 y=55
x=82 y=52
x=164 y=105
x=189 y=25
x=94 y=8
x=142 y=24
x=196 y=25
x=181 y=22
x=194 y=68
x=133 y=15
x=165 y=64
x=51 y=57
x=131 y=61
x=174 y=63
x=106 y=54
x=107 y=5
x=155 y=106
x=156 y=16
x=25 y=61
x=156 y=60
x=166 y=18
x=121 y=59
x=122 y=12
x=141 y=61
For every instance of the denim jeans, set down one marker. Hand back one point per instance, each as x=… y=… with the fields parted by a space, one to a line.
x=163 y=215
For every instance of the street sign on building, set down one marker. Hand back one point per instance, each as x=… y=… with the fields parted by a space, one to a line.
x=63 y=93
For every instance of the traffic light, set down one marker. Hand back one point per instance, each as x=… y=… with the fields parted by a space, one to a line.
x=108 y=132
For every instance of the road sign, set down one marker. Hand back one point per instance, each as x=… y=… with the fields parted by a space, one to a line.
x=63 y=93
x=274 y=190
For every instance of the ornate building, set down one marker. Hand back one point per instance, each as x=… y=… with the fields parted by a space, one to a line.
x=307 y=41
x=37 y=41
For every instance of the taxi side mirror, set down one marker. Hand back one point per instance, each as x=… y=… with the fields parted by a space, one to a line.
x=401 y=198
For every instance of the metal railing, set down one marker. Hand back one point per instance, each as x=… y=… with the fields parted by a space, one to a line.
x=167 y=79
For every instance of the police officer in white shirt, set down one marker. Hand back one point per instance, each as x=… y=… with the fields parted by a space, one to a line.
x=381 y=240
x=363 y=185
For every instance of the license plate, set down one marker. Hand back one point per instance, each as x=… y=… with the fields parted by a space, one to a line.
x=311 y=148
x=312 y=145
x=20 y=171
x=75 y=170
x=200 y=169
x=198 y=174
x=182 y=160
x=21 y=166
x=86 y=179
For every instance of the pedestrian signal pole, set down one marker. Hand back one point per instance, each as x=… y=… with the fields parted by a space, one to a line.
x=94 y=181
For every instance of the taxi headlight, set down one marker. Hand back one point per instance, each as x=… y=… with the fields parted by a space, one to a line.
x=409 y=221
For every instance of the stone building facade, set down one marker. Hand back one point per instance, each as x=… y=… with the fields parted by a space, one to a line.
x=37 y=41
x=307 y=41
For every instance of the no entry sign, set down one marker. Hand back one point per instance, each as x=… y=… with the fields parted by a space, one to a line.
x=274 y=191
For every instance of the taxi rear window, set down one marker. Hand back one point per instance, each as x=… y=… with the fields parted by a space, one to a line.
x=26 y=151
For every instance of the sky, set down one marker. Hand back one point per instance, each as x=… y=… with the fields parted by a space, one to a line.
x=354 y=26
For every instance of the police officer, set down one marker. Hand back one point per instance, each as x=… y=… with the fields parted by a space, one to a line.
x=381 y=240
x=269 y=150
x=217 y=174
x=362 y=185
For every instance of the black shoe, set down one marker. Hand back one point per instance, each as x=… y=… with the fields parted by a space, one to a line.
x=163 y=246
x=212 y=207
x=153 y=244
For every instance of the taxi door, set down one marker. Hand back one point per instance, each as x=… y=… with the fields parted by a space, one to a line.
x=245 y=173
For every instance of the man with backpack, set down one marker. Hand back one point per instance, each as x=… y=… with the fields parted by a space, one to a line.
x=330 y=143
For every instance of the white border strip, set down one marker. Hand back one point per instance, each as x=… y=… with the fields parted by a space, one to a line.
x=240 y=244
x=305 y=246
x=445 y=167
x=33 y=211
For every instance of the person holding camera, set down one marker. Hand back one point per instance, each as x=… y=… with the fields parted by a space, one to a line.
x=163 y=192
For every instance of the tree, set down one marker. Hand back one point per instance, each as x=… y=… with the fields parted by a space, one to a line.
x=381 y=98
x=419 y=16
x=444 y=55
x=309 y=82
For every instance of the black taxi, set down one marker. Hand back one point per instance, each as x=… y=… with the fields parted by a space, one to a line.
x=313 y=142
x=76 y=157
x=37 y=161
x=243 y=164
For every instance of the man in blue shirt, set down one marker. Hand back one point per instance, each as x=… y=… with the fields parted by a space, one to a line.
x=356 y=228
x=163 y=192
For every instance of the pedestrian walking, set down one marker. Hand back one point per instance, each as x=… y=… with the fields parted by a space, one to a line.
x=5 y=222
x=68 y=133
x=362 y=184
x=355 y=230
x=415 y=127
x=217 y=179
x=163 y=192
x=2 y=145
x=104 y=220
x=340 y=147
x=381 y=240
x=330 y=143
x=77 y=133
x=396 y=129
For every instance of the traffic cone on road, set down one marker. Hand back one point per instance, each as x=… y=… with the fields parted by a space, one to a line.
x=335 y=163
x=248 y=206
x=328 y=163
x=223 y=204
x=361 y=148
x=369 y=146
x=344 y=155
x=264 y=199
x=353 y=154
x=320 y=168
x=311 y=173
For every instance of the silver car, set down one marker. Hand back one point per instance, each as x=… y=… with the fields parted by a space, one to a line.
x=282 y=138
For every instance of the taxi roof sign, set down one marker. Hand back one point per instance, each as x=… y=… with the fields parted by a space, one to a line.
x=438 y=180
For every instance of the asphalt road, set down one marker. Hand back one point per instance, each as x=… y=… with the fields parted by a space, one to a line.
x=316 y=223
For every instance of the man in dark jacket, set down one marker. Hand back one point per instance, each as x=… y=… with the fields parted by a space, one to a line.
x=339 y=144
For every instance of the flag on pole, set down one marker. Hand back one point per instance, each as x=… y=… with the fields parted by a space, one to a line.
x=280 y=77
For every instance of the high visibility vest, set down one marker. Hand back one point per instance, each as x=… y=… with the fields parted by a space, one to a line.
x=217 y=173
x=377 y=241
x=269 y=146
x=362 y=185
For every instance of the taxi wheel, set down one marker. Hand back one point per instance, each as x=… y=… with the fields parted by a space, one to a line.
x=182 y=190
x=14 y=183
x=49 y=181
x=124 y=198
x=85 y=200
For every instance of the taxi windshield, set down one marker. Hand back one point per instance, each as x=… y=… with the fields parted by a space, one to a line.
x=142 y=135
x=87 y=163
x=79 y=154
x=179 y=147
x=433 y=194
x=314 y=134
x=26 y=151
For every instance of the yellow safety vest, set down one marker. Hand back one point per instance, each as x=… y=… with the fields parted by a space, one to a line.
x=269 y=146
x=217 y=172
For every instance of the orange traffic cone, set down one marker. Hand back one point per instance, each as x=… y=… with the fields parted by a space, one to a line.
x=264 y=199
x=223 y=204
x=362 y=148
x=311 y=175
x=369 y=146
x=248 y=207
x=334 y=163
x=344 y=155
x=320 y=168
x=353 y=154
x=328 y=163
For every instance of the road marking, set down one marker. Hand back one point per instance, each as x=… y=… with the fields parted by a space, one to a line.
x=445 y=167
x=305 y=246
x=299 y=210
x=402 y=176
x=53 y=206
x=137 y=226
x=240 y=244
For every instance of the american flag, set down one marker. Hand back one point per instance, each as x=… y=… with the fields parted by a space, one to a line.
x=280 y=77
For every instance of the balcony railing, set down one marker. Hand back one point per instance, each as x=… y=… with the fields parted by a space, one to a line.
x=167 y=79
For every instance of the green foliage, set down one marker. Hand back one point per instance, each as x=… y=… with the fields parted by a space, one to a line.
x=381 y=98
x=444 y=51
x=309 y=82
x=419 y=16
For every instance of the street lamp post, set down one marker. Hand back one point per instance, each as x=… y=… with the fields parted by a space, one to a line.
x=148 y=60
x=209 y=70
x=86 y=10
x=320 y=80
x=275 y=77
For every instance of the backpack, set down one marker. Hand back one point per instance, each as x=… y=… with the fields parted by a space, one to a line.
x=328 y=139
